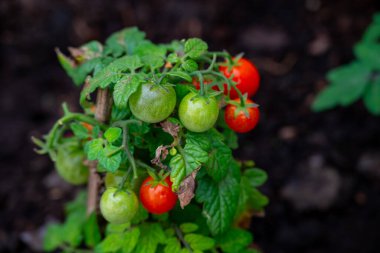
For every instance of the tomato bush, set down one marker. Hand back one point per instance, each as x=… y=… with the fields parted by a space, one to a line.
x=148 y=132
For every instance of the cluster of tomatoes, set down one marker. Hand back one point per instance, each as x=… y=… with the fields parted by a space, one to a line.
x=197 y=113
x=121 y=205
x=152 y=104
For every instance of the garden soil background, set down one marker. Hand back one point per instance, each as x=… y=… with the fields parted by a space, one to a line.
x=324 y=168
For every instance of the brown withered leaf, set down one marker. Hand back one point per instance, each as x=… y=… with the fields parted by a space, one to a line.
x=170 y=128
x=161 y=154
x=186 y=189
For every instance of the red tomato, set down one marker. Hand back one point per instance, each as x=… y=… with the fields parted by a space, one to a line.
x=242 y=123
x=245 y=75
x=157 y=199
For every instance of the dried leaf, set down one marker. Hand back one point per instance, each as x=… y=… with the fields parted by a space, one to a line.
x=186 y=189
x=170 y=128
x=161 y=154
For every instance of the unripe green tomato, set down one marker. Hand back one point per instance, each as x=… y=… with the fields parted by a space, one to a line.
x=197 y=113
x=118 y=207
x=152 y=103
x=69 y=164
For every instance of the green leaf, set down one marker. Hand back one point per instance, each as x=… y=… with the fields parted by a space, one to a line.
x=153 y=61
x=73 y=228
x=94 y=149
x=78 y=204
x=172 y=246
x=234 y=240
x=200 y=139
x=372 y=33
x=231 y=138
x=147 y=48
x=218 y=164
x=328 y=98
x=131 y=237
x=256 y=177
x=119 y=113
x=79 y=131
x=117 y=228
x=190 y=65
x=92 y=49
x=92 y=234
x=194 y=157
x=188 y=227
x=151 y=235
x=257 y=200
x=180 y=74
x=172 y=58
x=372 y=97
x=114 y=71
x=109 y=159
x=195 y=47
x=348 y=83
x=141 y=215
x=112 y=134
x=112 y=243
x=220 y=199
x=368 y=53
x=53 y=237
x=124 y=41
x=124 y=88
x=178 y=171
x=199 y=242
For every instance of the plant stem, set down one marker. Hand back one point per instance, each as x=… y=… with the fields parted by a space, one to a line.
x=180 y=237
x=102 y=113
x=131 y=159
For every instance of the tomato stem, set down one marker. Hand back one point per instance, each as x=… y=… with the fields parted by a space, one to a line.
x=182 y=239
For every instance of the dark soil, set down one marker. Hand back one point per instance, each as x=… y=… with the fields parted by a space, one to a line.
x=324 y=168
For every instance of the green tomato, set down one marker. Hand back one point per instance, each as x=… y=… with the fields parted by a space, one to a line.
x=118 y=206
x=69 y=163
x=152 y=103
x=197 y=113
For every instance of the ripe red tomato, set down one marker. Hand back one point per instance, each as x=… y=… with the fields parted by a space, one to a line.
x=245 y=75
x=157 y=199
x=241 y=123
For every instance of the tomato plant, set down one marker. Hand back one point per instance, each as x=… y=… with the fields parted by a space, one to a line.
x=246 y=76
x=142 y=119
x=157 y=197
x=242 y=120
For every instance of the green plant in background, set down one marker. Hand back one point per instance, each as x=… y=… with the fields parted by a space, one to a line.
x=358 y=79
x=154 y=134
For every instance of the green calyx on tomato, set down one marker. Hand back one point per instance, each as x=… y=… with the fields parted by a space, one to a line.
x=118 y=206
x=244 y=74
x=69 y=163
x=157 y=196
x=152 y=103
x=240 y=118
x=198 y=113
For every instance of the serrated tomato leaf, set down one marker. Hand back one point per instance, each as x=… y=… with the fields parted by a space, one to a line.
x=219 y=200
